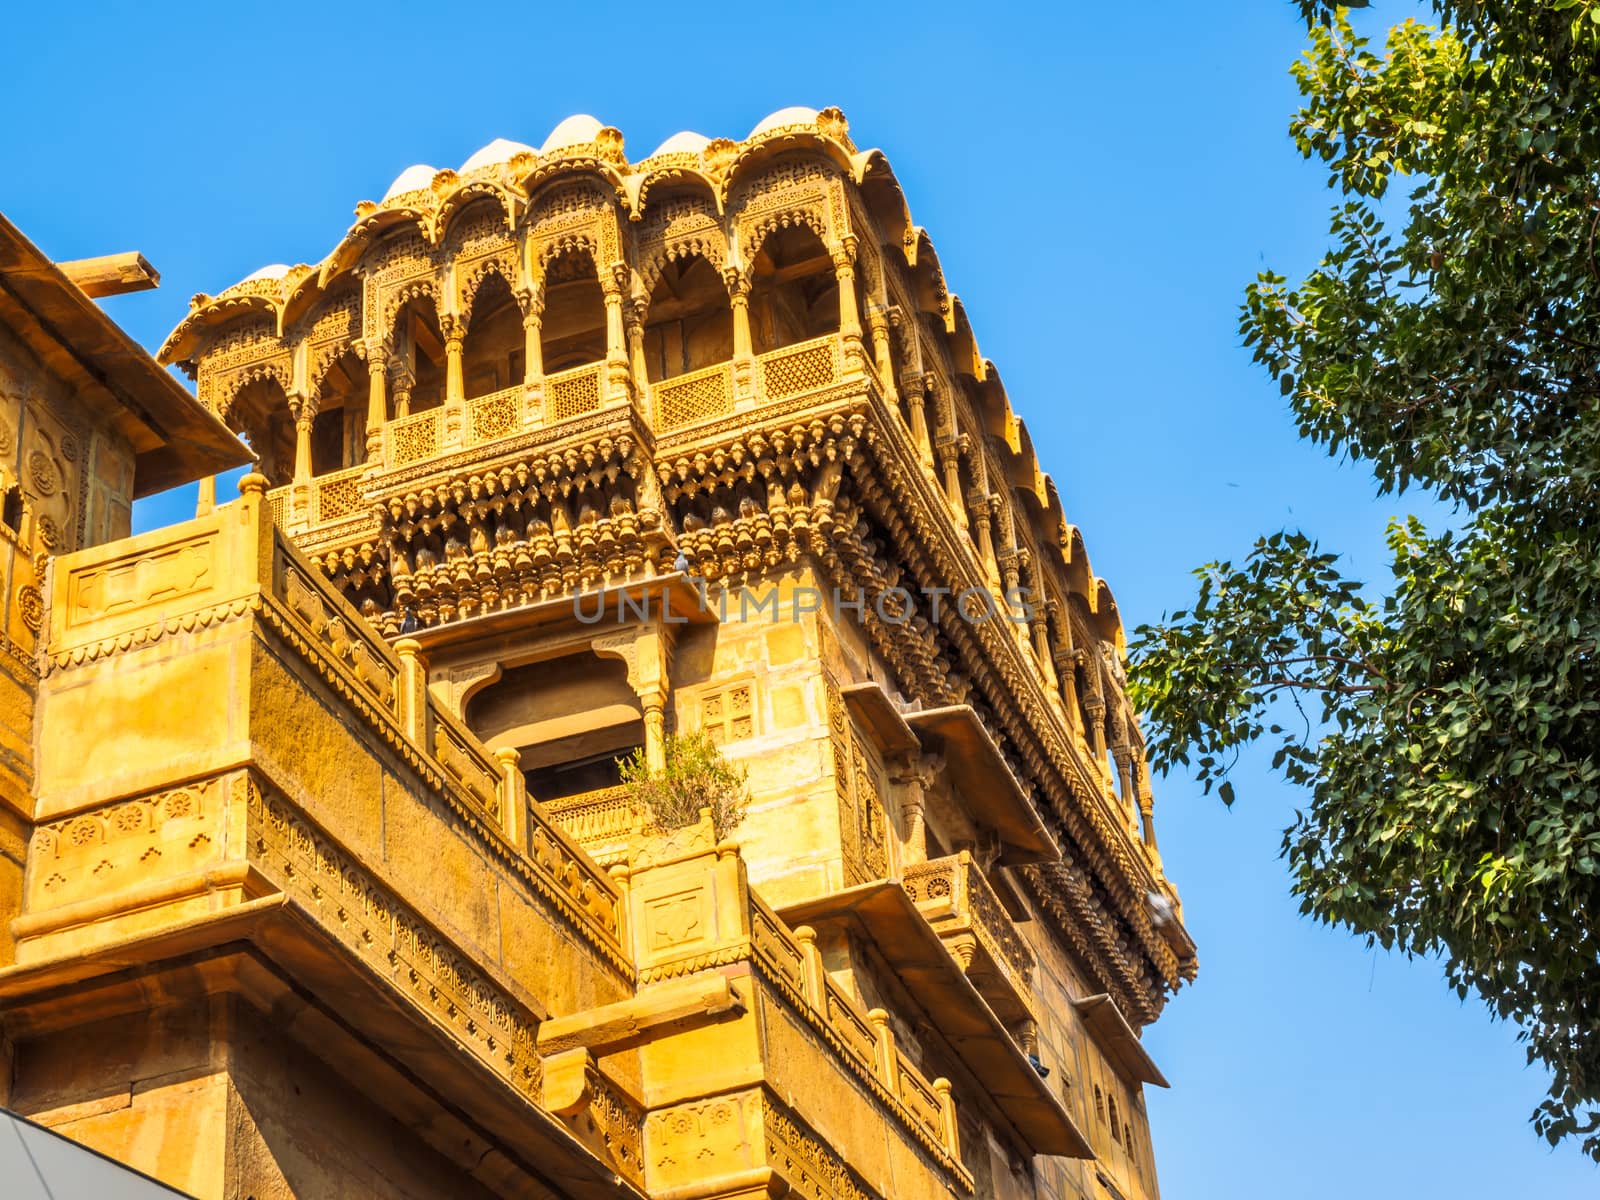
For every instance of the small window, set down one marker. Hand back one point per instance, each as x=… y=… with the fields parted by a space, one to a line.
x=1099 y=1103
x=11 y=513
x=728 y=715
x=1116 y=1134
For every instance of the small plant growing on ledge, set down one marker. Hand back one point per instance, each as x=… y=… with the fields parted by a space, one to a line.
x=696 y=777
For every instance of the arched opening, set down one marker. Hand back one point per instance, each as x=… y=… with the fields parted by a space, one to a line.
x=260 y=412
x=794 y=295
x=690 y=323
x=339 y=430
x=572 y=331
x=492 y=353
x=419 y=353
x=572 y=719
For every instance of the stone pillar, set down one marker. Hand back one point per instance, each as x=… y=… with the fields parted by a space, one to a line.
x=455 y=393
x=513 y=795
x=914 y=775
x=455 y=390
x=533 y=354
x=883 y=352
x=1147 y=807
x=617 y=373
x=1041 y=645
x=402 y=395
x=413 y=690
x=304 y=412
x=916 y=401
x=844 y=271
x=1124 y=760
x=655 y=730
x=950 y=462
x=377 y=399
x=744 y=359
x=1096 y=708
x=532 y=346
x=208 y=497
x=635 y=315
x=983 y=528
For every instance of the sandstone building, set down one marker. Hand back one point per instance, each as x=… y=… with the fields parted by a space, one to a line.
x=319 y=874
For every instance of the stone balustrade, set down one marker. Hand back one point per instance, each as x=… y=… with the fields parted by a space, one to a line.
x=952 y=893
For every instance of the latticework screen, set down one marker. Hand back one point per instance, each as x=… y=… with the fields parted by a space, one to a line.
x=802 y=368
x=572 y=393
x=414 y=438
x=694 y=397
x=495 y=415
x=339 y=496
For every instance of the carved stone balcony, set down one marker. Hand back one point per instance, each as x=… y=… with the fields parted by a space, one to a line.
x=884 y=914
x=599 y=821
x=962 y=907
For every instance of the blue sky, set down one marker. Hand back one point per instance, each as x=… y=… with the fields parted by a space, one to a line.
x=1101 y=181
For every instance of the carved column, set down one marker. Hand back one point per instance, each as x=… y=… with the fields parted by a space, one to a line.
x=377 y=399
x=635 y=313
x=533 y=352
x=978 y=505
x=454 y=342
x=883 y=352
x=744 y=360
x=455 y=392
x=403 y=383
x=914 y=776
x=916 y=401
x=304 y=411
x=617 y=374
x=844 y=271
x=655 y=729
x=950 y=462
x=1121 y=755
x=1096 y=708
x=1147 y=808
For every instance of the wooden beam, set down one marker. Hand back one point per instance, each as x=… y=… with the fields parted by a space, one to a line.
x=112 y=274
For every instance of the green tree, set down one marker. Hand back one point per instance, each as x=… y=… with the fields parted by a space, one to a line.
x=1446 y=726
x=696 y=777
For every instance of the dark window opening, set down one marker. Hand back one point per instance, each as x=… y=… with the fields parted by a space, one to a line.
x=594 y=773
x=11 y=513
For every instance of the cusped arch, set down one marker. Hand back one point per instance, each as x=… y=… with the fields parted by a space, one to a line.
x=682 y=223
x=394 y=300
x=753 y=158
x=795 y=189
x=673 y=177
x=460 y=207
x=369 y=232
x=229 y=386
x=571 y=213
x=205 y=318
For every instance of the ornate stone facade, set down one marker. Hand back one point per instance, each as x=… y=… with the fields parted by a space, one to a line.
x=560 y=453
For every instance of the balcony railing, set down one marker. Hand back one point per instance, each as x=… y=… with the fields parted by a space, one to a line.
x=599 y=821
x=956 y=899
x=497 y=415
x=321 y=500
x=412 y=439
x=695 y=397
x=572 y=393
x=803 y=367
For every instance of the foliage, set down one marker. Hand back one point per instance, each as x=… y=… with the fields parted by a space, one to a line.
x=696 y=777
x=1447 y=731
